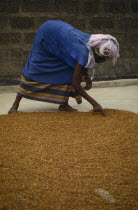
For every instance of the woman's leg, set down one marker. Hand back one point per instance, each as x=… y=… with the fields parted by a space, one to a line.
x=15 y=105
x=66 y=108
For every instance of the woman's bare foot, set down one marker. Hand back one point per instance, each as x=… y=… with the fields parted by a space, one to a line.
x=67 y=108
x=15 y=105
x=13 y=109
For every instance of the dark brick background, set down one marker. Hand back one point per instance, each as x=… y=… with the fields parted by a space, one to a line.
x=20 y=19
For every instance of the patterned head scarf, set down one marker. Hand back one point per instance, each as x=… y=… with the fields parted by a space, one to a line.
x=107 y=46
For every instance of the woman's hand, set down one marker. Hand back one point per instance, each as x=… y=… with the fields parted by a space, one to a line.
x=97 y=108
x=88 y=83
x=77 y=78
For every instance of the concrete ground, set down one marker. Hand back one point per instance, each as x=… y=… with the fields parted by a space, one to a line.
x=123 y=96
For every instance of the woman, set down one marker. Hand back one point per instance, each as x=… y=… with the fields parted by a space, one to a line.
x=60 y=57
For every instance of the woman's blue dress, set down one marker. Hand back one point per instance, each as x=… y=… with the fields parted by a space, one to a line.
x=57 y=48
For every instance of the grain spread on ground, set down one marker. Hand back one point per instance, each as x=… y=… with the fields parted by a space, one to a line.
x=68 y=160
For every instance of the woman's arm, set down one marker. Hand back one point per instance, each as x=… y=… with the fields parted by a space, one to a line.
x=77 y=77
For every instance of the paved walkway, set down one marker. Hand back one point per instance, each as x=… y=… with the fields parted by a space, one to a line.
x=123 y=98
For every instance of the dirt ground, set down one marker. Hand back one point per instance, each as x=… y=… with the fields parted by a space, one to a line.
x=52 y=160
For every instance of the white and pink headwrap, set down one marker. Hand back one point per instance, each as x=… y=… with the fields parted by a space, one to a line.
x=108 y=46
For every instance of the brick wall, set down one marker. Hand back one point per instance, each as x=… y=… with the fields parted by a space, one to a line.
x=20 y=19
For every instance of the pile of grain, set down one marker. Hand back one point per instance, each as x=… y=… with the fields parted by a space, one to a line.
x=68 y=160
